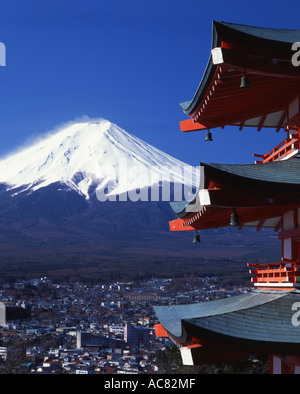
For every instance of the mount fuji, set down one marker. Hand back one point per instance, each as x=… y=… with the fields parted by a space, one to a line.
x=52 y=211
x=55 y=221
x=88 y=154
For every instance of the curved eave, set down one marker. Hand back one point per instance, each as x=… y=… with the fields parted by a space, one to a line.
x=282 y=173
x=258 y=43
x=276 y=37
x=189 y=107
x=171 y=316
x=260 y=193
x=261 y=317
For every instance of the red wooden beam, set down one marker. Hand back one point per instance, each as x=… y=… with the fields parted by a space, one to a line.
x=160 y=331
x=190 y=125
x=295 y=232
x=280 y=123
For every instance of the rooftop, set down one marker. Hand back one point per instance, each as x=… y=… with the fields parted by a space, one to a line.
x=260 y=316
x=264 y=55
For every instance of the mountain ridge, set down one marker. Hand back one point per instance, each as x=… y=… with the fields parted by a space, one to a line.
x=90 y=152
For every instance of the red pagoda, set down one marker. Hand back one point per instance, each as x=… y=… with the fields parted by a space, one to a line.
x=250 y=81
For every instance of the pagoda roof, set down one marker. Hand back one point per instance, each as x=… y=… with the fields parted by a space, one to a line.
x=260 y=316
x=265 y=55
x=285 y=36
x=260 y=194
x=285 y=172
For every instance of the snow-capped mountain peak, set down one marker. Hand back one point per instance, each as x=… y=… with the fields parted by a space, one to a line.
x=92 y=152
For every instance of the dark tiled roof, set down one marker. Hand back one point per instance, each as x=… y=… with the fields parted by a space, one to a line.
x=259 y=315
x=179 y=207
x=284 y=171
x=278 y=173
x=279 y=35
x=266 y=37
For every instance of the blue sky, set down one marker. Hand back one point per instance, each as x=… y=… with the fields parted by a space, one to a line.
x=131 y=62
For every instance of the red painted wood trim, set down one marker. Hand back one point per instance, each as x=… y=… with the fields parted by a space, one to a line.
x=295 y=232
x=189 y=125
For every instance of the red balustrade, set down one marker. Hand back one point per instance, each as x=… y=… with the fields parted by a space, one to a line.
x=284 y=272
x=284 y=149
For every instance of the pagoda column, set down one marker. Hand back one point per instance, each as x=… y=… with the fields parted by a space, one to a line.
x=290 y=235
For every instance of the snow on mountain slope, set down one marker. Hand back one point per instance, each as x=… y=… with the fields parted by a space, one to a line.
x=88 y=153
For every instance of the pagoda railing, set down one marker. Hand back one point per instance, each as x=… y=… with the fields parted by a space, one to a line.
x=283 y=272
x=284 y=149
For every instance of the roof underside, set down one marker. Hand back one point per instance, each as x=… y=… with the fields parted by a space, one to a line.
x=259 y=315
